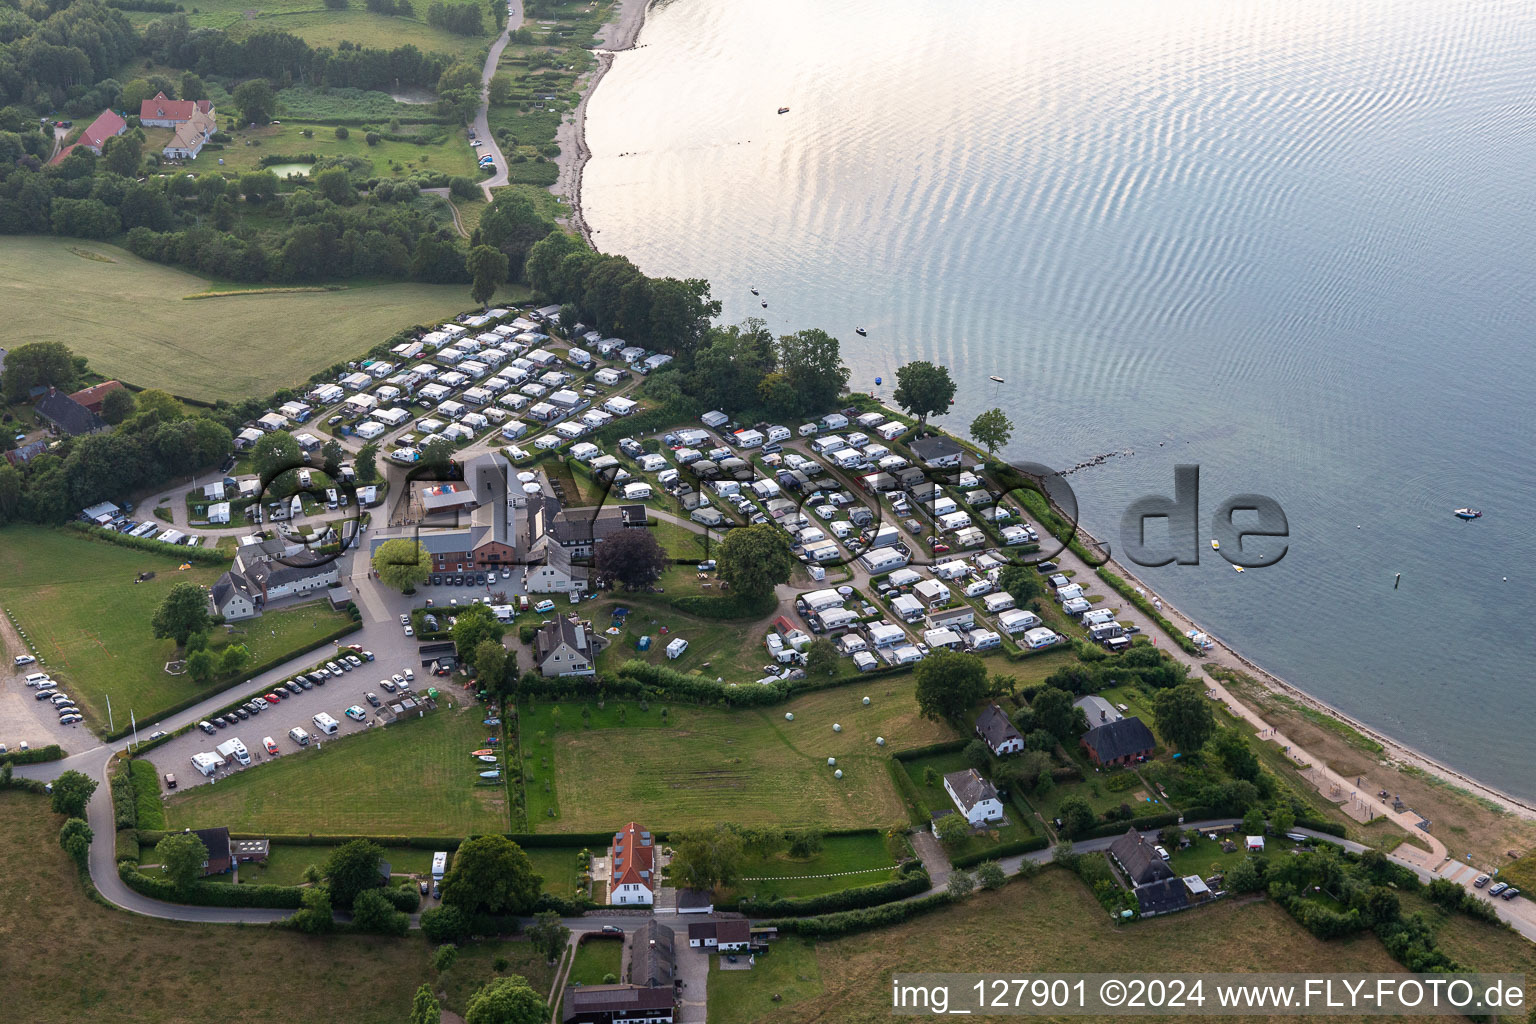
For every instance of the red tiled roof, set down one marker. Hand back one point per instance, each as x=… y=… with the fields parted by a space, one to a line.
x=64 y=153
x=162 y=109
x=634 y=858
x=102 y=129
x=91 y=397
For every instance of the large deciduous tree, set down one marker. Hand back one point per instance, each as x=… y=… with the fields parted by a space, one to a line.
x=511 y=224
x=117 y=406
x=425 y=1008
x=1021 y=583
x=352 y=868
x=184 y=611
x=39 y=364
x=121 y=153
x=507 y=1000
x=1055 y=713
x=402 y=564
x=547 y=934
x=633 y=559
x=475 y=625
x=71 y=792
x=812 y=365
x=706 y=857
x=487 y=271
x=75 y=837
x=949 y=683
x=182 y=856
x=491 y=875
x=1183 y=716
x=755 y=559
x=923 y=389
x=256 y=101
x=275 y=452
x=992 y=430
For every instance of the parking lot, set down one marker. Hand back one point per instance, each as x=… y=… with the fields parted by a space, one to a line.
x=23 y=718
x=333 y=697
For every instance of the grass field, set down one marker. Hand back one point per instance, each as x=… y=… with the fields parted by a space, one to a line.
x=789 y=970
x=451 y=155
x=703 y=765
x=69 y=959
x=556 y=865
x=78 y=601
x=780 y=875
x=476 y=965
x=411 y=778
x=285 y=864
x=596 y=958
x=1050 y=923
x=230 y=347
x=312 y=21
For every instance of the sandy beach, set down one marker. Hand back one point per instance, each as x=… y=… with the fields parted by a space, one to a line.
x=618 y=35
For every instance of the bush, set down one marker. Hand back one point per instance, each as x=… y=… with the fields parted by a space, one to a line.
x=860 y=920
x=211 y=894
x=372 y=138
x=845 y=899
x=52 y=752
x=1002 y=850
x=404 y=898
x=444 y=924
x=146 y=794
x=342 y=132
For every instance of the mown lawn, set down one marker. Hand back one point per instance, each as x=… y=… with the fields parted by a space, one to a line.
x=595 y=959
x=779 y=875
x=705 y=765
x=477 y=964
x=790 y=970
x=451 y=155
x=245 y=344
x=411 y=778
x=936 y=800
x=285 y=864
x=69 y=959
x=557 y=865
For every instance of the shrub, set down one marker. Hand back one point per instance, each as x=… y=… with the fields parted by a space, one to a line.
x=372 y=138
x=52 y=752
x=444 y=924
x=146 y=794
x=403 y=898
x=860 y=920
x=342 y=132
x=1001 y=850
x=842 y=900
x=212 y=894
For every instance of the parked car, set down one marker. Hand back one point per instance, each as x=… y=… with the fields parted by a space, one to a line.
x=1481 y=880
x=409 y=674
x=354 y=661
x=388 y=686
x=74 y=719
x=275 y=698
x=1044 y=567
x=397 y=679
x=612 y=929
x=207 y=727
x=170 y=780
x=371 y=698
x=270 y=744
x=356 y=713
x=23 y=659
x=242 y=714
x=409 y=631
x=405 y=620
x=304 y=682
x=293 y=687
x=1510 y=893
x=367 y=655
x=1498 y=888
x=261 y=702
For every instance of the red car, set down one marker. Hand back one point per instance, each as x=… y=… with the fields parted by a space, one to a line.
x=271 y=746
x=275 y=697
x=940 y=547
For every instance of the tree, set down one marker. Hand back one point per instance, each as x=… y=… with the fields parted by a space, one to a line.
x=134 y=93
x=990 y=875
x=475 y=625
x=75 y=837
x=368 y=462
x=490 y=661
x=547 y=934
x=806 y=842
x=755 y=559
x=202 y=665
x=315 y=916
x=373 y=138
x=335 y=184
x=487 y=269
x=443 y=957
x=952 y=828
x=811 y=364
x=491 y=875
x=500 y=91
x=949 y=683
x=930 y=776
x=256 y=101
x=1231 y=748
x=372 y=912
x=633 y=559
x=1253 y=822
x=1282 y=819
x=274 y=453
x=402 y=564
x=121 y=153
x=821 y=658
x=960 y=884
x=352 y=868
x=1054 y=712
x=977 y=755
x=707 y=857
x=923 y=389
x=1021 y=583
x=234 y=658
x=331 y=454
x=182 y=856
x=1076 y=816
x=1247 y=875
x=184 y=611
x=117 y=406
x=1183 y=716
x=424 y=1008
x=512 y=223
x=444 y=925
x=192 y=87
x=992 y=430
x=39 y=364
x=507 y=1000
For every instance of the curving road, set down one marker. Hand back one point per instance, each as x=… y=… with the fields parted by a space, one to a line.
x=482 y=116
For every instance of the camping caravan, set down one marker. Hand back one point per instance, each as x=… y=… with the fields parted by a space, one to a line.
x=326 y=724
x=439 y=865
x=999 y=602
x=1017 y=620
x=233 y=748
x=207 y=763
x=714 y=419
x=881 y=560
x=1040 y=637
x=820 y=600
x=677 y=647
x=636 y=491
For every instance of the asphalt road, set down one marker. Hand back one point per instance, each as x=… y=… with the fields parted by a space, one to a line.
x=482 y=116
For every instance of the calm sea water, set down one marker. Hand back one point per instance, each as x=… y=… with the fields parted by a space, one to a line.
x=1290 y=242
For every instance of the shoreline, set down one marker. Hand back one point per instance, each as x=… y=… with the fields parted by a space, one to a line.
x=571 y=137
x=1395 y=754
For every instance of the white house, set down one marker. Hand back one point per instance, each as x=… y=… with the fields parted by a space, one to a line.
x=974 y=796
x=631 y=867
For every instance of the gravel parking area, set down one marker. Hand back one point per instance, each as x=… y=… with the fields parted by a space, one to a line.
x=24 y=718
x=297 y=711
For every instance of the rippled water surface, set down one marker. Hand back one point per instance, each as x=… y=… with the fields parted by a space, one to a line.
x=1291 y=242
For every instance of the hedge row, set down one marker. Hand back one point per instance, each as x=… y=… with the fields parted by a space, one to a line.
x=828 y=925
x=725 y=609
x=203 y=556
x=211 y=894
x=146 y=795
x=1004 y=850
x=910 y=884
x=248 y=675
x=945 y=747
x=128 y=848
x=37 y=755
x=1333 y=828
x=1118 y=828
x=434 y=843
x=917 y=814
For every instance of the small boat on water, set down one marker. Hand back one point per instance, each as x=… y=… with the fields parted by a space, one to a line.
x=996 y=378
x=861 y=332
x=1238 y=568
x=783 y=110
x=488 y=758
x=1468 y=513
x=765 y=303
x=1215 y=544
x=754 y=291
x=482 y=752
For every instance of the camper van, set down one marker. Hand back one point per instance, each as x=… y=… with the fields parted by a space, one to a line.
x=326 y=724
x=233 y=748
x=439 y=865
x=207 y=763
x=299 y=736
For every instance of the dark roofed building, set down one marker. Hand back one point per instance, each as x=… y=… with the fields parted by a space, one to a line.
x=1119 y=742
x=937 y=450
x=1139 y=860
x=993 y=727
x=566 y=647
x=695 y=901
x=724 y=935
x=217 y=842
x=602 y=1004
x=67 y=415
x=581 y=529
x=1162 y=897
x=652 y=960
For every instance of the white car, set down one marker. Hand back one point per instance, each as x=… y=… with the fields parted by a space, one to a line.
x=24 y=659
x=475 y=143
x=409 y=674
x=409 y=631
